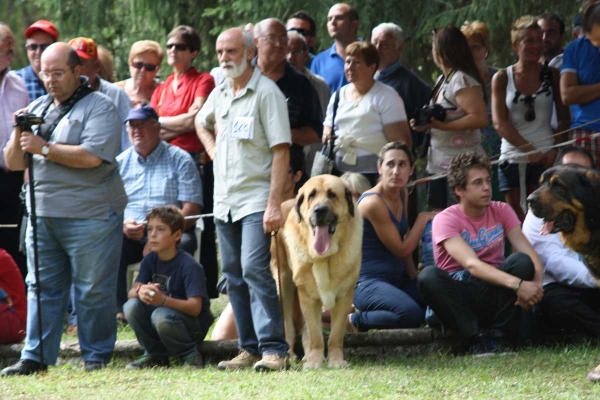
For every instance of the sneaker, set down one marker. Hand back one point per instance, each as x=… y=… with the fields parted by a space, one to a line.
x=194 y=361
x=244 y=359
x=24 y=367
x=147 y=361
x=489 y=343
x=272 y=362
x=93 y=366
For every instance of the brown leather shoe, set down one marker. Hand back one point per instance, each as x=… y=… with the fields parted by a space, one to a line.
x=243 y=360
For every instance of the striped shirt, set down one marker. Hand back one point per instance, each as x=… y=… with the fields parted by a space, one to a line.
x=13 y=97
x=167 y=176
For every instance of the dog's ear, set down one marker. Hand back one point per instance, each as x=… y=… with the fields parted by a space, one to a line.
x=299 y=201
x=350 y=201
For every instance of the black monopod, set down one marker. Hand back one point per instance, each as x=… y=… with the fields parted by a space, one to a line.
x=25 y=121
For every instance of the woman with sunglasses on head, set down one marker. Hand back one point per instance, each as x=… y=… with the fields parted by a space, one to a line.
x=523 y=97
x=145 y=58
x=460 y=91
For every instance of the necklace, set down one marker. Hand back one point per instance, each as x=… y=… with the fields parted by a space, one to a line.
x=359 y=98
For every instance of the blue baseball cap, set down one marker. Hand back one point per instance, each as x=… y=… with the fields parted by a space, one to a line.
x=142 y=113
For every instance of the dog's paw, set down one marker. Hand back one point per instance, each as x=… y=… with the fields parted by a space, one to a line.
x=338 y=364
x=312 y=365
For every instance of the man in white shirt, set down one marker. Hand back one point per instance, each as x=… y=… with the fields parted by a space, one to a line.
x=571 y=297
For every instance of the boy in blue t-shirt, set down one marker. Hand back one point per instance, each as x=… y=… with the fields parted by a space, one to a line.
x=170 y=314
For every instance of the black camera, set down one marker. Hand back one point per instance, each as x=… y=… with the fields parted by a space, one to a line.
x=424 y=115
x=26 y=120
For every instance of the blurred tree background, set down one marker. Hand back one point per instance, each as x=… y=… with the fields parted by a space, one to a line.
x=116 y=24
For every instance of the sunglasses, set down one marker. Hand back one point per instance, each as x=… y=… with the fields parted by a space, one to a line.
x=530 y=112
x=303 y=32
x=178 y=46
x=35 y=46
x=147 y=67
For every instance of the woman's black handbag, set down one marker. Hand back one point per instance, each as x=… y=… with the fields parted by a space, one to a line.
x=323 y=162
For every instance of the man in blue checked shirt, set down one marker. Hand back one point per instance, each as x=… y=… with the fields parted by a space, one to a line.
x=154 y=174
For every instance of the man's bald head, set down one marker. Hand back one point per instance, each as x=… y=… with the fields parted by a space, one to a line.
x=60 y=50
x=60 y=58
x=264 y=25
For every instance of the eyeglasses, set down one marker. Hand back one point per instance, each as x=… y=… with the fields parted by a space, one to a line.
x=178 y=46
x=35 y=46
x=297 y=52
x=275 y=39
x=147 y=67
x=58 y=75
x=530 y=112
x=303 y=32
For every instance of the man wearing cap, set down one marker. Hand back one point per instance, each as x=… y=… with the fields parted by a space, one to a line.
x=79 y=203
x=13 y=97
x=40 y=35
x=90 y=66
x=154 y=174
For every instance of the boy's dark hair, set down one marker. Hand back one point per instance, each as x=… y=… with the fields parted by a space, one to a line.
x=550 y=16
x=169 y=215
x=574 y=149
x=459 y=168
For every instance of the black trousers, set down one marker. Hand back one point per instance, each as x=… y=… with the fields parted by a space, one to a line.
x=208 y=246
x=571 y=308
x=11 y=211
x=470 y=306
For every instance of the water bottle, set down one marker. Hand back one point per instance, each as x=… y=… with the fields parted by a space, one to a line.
x=427 y=246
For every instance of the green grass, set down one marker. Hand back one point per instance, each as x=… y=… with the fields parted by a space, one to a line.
x=542 y=373
x=539 y=373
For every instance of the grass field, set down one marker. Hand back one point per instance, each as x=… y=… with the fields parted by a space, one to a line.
x=540 y=373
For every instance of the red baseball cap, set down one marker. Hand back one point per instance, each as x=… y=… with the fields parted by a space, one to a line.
x=85 y=47
x=44 y=26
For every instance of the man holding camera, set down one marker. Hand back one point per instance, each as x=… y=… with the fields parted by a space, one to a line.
x=79 y=203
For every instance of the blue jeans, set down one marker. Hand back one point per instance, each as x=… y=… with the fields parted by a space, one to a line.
x=386 y=306
x=163 y=331
x=84 y=252
x=245 y=258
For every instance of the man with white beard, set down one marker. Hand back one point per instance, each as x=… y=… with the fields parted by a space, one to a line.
x=245 y=129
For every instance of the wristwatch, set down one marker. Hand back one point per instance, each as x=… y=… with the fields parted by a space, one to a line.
x=45 y=150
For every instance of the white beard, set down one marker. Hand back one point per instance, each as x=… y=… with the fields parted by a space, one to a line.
x=235 y=70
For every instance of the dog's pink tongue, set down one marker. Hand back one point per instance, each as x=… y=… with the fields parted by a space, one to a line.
x=546 y=227
x=321 y=242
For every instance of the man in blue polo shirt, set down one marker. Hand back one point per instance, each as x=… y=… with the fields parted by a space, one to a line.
x=40 y=35
x=580 y=81
x=342 y=24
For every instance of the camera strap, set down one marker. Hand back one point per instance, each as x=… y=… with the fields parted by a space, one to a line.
x=55 y=116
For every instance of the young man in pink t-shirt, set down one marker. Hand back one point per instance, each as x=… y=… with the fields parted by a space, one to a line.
x=473 y=289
